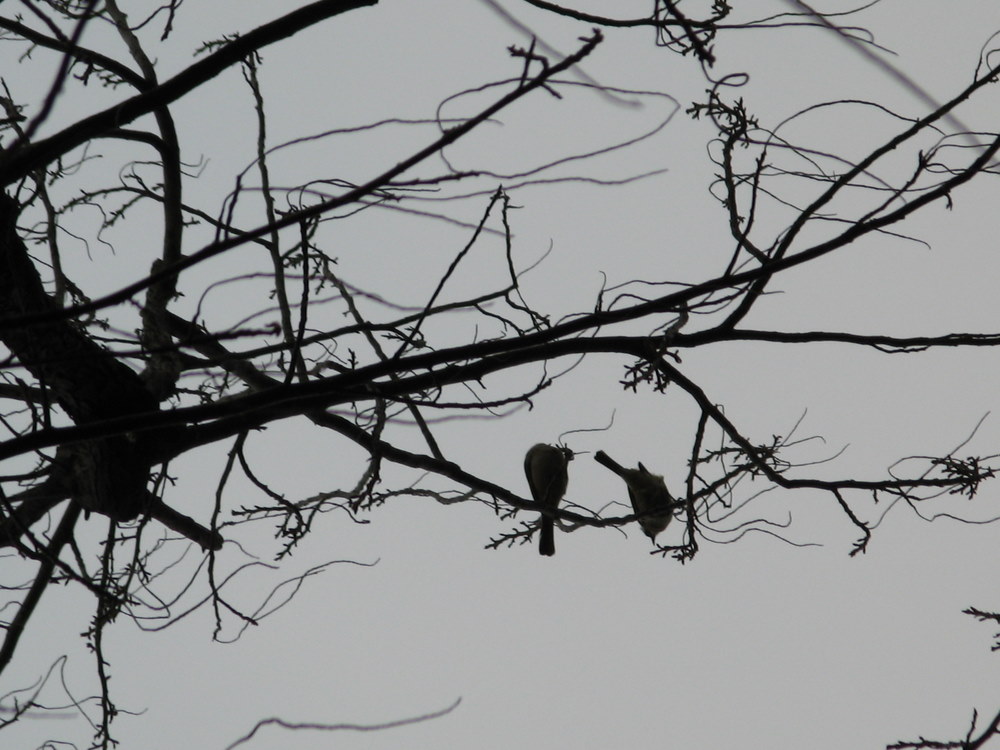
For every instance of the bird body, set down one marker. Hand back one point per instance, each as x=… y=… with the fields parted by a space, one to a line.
x=651 y=501
x=545 y=466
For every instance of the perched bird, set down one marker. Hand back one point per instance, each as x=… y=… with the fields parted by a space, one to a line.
x=650 y=499
x=546 y=469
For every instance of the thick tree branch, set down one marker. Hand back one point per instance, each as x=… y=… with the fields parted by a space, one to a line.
x=21 y=159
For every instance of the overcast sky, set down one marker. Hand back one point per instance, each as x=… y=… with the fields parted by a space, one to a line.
x=755 y=643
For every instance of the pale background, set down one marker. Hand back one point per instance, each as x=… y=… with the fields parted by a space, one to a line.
x=757 y=643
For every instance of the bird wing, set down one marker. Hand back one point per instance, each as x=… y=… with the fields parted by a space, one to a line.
x=528 y=459
x=635 y=506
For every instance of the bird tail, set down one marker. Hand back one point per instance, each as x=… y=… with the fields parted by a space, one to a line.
x=605 y=460
x=546 y=538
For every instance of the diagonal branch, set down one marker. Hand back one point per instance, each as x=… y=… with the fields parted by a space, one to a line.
x=15 y=629
x=21 y=159
x=449 y=136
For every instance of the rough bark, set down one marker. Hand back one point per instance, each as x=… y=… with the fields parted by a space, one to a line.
x=109 y=474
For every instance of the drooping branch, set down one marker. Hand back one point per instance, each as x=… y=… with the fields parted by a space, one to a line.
x=86 y=56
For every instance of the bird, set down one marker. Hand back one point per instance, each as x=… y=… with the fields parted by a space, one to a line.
x=545 y=466
x=651 y=501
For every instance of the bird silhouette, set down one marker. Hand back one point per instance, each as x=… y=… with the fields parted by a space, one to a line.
x=651 y=501
x=545 y=466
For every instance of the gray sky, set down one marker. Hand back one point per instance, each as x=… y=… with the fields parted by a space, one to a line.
x=756 y=642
